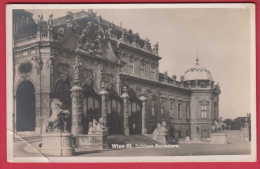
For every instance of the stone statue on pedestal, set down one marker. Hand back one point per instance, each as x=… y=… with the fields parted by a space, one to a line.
x=163 y=132
x=96 y=127
x=160 y=133
x=57 y=139
x=156 y=48
x=156 y=131
x=90 y=128
x=59 y=119
x=100 y=125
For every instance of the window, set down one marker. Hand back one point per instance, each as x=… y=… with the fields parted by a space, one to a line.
x=131 y=67
x=172 y=104
x=142 y=67
x=152 y=107
x=187 y=111
x=25 y=53
x=162 y=109
x=33 y=52
x=204 y=111
x=179 y=111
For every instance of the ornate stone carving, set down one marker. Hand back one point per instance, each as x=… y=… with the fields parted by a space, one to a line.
x=63 y=71
x=93 y=39
x=87 y=77
x=38 y=63
x=108 y=81
x=25 y=67
x=156 y=48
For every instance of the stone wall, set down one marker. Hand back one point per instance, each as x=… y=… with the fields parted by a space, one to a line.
x=38 y=58
x=162 y=102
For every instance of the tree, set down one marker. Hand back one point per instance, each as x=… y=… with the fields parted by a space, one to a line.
x=228 y=123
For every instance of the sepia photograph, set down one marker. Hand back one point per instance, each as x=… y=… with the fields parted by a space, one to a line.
x=131 y=82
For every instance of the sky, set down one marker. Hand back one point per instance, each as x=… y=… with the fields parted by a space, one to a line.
x=220 y=37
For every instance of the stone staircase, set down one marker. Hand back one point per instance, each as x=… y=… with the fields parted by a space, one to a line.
x=26 y=136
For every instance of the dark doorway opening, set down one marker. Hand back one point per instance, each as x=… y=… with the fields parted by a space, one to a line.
x=115 y=114
x=25 y=107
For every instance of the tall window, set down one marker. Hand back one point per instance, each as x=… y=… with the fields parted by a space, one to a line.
x=153 y=70
x=179 y=111
x=142 y=67
x=172 y=104
x=204 y=111
x=152 y=107
x=131 y=67
x=187 y=110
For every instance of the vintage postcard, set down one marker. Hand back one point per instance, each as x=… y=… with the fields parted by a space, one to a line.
x=131 y=82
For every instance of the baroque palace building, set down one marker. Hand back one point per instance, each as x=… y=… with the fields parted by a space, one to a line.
x=98 y=69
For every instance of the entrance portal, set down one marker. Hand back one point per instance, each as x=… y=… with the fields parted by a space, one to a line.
x=25 y=107
x=91 y=107
x=115 y=115
x=135 y=113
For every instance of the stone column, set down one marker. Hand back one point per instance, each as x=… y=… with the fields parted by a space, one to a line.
x=77 y=109
x=143 y=99
x=77 y=102
x=125 y=97
x=103 y=94
x=38 y=112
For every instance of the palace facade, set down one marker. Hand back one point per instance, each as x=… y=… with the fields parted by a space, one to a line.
x=98 y=69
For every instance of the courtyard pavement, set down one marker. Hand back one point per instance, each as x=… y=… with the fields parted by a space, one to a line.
x=31 y=149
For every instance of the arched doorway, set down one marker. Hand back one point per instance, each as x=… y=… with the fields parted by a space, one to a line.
x=25 y=107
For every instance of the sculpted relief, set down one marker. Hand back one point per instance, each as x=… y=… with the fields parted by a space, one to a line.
x=88 y=77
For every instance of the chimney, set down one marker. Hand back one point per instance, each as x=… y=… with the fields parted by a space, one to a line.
x=182 y=78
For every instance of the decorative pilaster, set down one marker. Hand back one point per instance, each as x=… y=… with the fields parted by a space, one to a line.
x=143 y=99
x=76 y=97
x=125 y=97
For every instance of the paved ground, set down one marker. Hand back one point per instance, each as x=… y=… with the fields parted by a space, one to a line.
x=30 y=149
x=182 y=150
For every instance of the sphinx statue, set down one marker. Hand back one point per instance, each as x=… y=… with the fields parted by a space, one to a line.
x=156 y=132
x=59 y=119
x=160 y=133
x=100 y=125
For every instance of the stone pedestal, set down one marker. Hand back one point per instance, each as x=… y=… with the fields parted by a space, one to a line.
x=194 y=133
x=161 y=138
x=57 y=144
x=90 y=142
